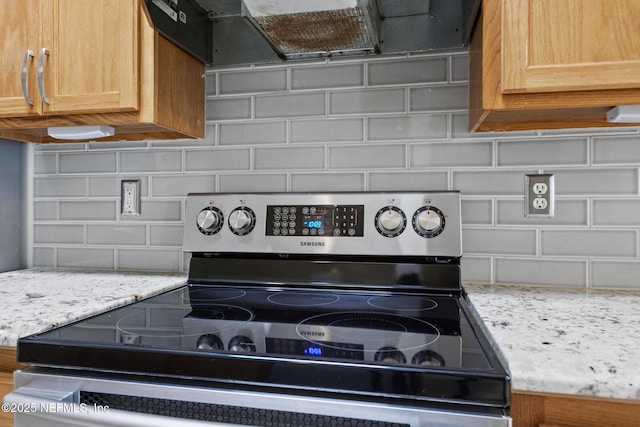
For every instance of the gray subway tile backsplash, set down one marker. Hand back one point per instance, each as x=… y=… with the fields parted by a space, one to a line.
x=87 y=258
x=180 y=186
x=59 y=233
x=477 y=211
x=549 y=272
x=327 y=77
x=408 y=181
x=238 y=82
x=327 y=181
x=616 y=150
x=596 y=181
x=382 y=124
x=157 y=210
x=251 y=182
x=367 y=101
x=408 y=127
x=150 y=161
x=88 y=163
x=229 y=109
x=591 y=243
x=439 y=98
x=44 y=163
x=451 y=154
x=166 y=235
x=490 y=182
x=88 y=211
x=367 y=156
x=282 y=158
x=290 y=105
x=253 y=133
x=45 y=211
x=218 y=160
x=616 y=212
x=116 y=235
x=568 y=212
x=498 y=241
x=147 y=259
x=552 y=151
x=55 y=186
x=406 y=72
x=327 y=130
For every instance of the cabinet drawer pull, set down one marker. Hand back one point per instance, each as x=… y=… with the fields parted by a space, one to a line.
x=43 y=52
x=23 y=75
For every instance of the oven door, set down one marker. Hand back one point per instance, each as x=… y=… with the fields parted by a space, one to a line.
x=46 y=397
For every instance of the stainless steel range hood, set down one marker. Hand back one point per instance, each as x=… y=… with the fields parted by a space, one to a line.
x=235 y=32
x=301 y=29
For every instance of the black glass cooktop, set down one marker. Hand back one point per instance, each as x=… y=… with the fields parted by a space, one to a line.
x=368 y=343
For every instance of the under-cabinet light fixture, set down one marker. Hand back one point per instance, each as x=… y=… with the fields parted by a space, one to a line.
x=624 y=114
x=80 y=132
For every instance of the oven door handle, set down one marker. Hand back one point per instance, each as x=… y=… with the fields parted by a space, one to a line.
x=25 y=404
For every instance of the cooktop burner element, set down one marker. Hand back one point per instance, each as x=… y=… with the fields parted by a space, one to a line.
x=204 y=296
x=355 y=295
x=306 y=299
x=402 y=303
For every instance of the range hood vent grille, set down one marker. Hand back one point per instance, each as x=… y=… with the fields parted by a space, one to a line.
x=298 y=35
x=240 y=32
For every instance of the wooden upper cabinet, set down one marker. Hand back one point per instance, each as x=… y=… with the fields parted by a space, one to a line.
x=20 y=37
x=92 y=62
x=553 y=64
x=66 y=56
x=561 y=45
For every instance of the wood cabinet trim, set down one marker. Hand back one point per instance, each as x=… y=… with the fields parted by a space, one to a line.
x=552 y=46
x=531 y=409
x=492 y=110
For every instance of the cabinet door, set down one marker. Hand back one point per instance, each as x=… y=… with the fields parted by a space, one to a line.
x=19 y=33
x=562 y=45
x=91 y=60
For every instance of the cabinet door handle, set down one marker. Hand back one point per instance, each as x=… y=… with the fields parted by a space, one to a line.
x=43 y=52
x=25 y=87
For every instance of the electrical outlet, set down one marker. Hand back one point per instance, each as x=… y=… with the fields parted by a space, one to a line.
x=540 y=195
x=130 y=197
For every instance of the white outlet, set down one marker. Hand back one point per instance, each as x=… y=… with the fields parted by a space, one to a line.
x=540 y=203
x=540 y=188
x=539 y=195
x=130 y=197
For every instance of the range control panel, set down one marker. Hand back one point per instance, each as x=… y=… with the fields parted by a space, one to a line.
x=315 y=220
x=367 y=223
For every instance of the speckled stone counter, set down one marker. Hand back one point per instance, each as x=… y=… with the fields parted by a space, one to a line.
x=33 y=301
x=583 y=342
x=580 y=342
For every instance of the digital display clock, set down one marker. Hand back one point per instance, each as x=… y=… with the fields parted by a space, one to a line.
x=313 y=223
x=315 y=220
x=314 y=349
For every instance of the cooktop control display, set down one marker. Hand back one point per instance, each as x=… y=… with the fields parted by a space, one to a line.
x=315 y=220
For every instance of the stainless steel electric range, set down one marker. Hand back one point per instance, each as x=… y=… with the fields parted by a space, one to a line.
x=301 y=309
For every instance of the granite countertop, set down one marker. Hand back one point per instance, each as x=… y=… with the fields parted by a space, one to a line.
x=33 y=301
x=553 y=340
x=570 y=341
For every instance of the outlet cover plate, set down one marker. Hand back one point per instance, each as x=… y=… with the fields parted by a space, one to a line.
x=539 y=195
x=130 y=197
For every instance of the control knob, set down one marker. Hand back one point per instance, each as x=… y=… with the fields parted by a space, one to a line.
x=390 y=221
x=210 y=220
x=241 y=344
x=242 y=220
x=428 y=221
x=209 y=342
x=390 y=355
x=428 y=358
